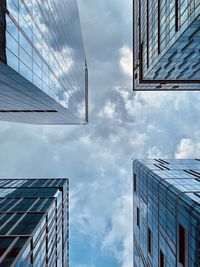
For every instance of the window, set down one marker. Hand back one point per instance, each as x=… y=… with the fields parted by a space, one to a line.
x=162 y=259
x=182 y=245
x=138 y=217
x=149 y=240
x=134 y=182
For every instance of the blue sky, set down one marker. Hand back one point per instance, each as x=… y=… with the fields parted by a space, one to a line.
x=98 y=157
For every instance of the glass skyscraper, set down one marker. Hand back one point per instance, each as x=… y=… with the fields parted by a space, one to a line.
x=43 y=69
x=166 y=37
x=34 y=222
x=166 y=213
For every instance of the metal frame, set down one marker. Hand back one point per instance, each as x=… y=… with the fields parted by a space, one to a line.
x=86 y=93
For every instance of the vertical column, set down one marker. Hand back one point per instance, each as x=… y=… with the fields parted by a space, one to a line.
x=159 y=26
x=3 y=31
x=47 y=239
x=56 y=213
x=147 y=33
x=176 y=15
x=86 y=92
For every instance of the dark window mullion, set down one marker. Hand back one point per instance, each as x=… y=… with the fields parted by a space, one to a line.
x=162 y=259
x=159 y=26
x=176 y=15
x=134 y=181
x=149 y=240
x=182 y=245
x=138 y=217
x=147 y=33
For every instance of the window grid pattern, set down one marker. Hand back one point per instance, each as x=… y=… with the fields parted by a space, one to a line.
x=164 y=51
x=168 y=193
x=38 y=43
x=36 y=211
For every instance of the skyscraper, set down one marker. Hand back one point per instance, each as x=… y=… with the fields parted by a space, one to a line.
x=34 y=222
x=166 y=213
x=166 y=38
x=43 y=70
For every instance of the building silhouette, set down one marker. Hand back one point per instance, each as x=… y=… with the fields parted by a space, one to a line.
x=43 y=70
x=166 y=38
x=34 y=222
x=166 y=213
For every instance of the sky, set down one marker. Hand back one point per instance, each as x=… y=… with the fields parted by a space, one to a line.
x=97 y=158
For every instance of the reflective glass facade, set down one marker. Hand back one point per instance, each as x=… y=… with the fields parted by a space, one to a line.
x=43 y=70
x=34 y=222
x=166 y=45
x=166 y=213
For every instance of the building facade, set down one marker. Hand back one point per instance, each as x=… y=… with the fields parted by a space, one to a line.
x=34 y=222
x=43 y=69
x=166 y=37
x=166 y=213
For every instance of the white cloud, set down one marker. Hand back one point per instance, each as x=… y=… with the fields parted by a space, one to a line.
x=121 y=231
x=137 y=140
x=153 y=152
x=109 y=110
x=84 y=265
x=126 y=60
x=122 y=124
x=188 y=148
x=85 y=139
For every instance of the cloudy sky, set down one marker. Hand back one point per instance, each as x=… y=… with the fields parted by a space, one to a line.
x=98 y=157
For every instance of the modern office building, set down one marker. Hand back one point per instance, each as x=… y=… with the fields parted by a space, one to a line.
x=34 y=222
x=166 y=213
x=43 y=69
x=166 y=39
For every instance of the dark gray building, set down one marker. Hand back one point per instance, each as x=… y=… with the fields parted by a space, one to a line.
x=43 y=69
x=34 y=222
x=166 y=213
x=166 y=38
